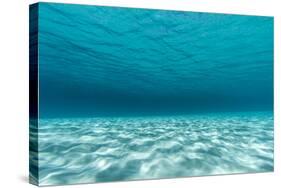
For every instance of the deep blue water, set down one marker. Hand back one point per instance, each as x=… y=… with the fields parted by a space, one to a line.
x=104 y=61
x=137 y=94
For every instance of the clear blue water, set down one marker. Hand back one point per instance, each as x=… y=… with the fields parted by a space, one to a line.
x=137 y=94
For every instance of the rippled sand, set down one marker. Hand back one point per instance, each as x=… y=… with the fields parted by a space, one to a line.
x=83 y=150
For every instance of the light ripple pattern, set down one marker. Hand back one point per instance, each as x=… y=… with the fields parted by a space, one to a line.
x=83 y=150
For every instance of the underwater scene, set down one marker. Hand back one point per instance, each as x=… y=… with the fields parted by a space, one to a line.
x=131 y=94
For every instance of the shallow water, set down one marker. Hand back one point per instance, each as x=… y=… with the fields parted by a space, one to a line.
x=82 y=150
x=134 y=71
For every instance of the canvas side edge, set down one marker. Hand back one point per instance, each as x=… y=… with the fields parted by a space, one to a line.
x=33 y=95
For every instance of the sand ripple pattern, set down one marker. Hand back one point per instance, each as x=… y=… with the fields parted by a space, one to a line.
x=83 y=150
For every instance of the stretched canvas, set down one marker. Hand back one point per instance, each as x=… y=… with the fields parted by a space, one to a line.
x=119 y=94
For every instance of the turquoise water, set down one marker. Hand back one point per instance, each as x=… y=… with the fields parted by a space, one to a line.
x=104 y=61
x=129 y=94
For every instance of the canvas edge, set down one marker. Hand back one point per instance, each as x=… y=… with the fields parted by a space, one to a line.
x=33 y=94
